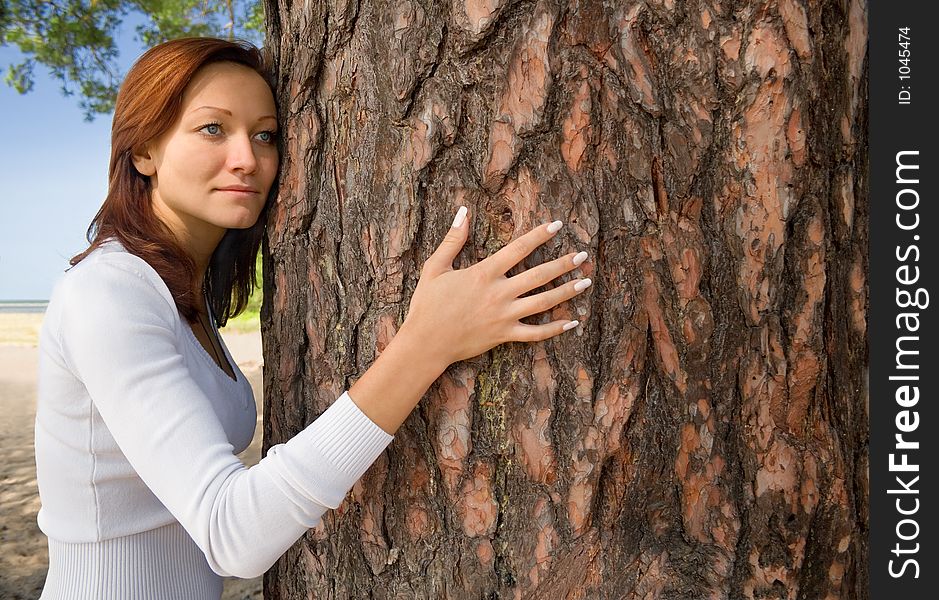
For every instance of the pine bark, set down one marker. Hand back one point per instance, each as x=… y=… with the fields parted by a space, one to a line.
x=704 y=434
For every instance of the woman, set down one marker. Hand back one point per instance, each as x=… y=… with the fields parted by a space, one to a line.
x=141 y=408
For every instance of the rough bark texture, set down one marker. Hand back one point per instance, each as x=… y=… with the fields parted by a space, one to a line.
x=705 y=434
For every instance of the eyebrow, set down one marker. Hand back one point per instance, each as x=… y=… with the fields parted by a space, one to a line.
x=228 y=112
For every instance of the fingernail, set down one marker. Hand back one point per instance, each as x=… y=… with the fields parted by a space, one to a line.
x=571 y=325
x=460 y=217
x=554 y=227
x=581 y=257
x=582 y=285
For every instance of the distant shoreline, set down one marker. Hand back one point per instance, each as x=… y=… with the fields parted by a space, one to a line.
x=23 y=306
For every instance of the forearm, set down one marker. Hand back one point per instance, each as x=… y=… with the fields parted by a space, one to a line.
x=390 y=389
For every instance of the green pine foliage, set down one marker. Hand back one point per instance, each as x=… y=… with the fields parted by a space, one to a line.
x=75 y=39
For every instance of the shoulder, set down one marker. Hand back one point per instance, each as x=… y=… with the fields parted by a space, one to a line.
x=111 y=312
x=112 y=280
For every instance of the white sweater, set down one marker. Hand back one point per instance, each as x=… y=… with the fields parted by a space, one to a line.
x=136 y=434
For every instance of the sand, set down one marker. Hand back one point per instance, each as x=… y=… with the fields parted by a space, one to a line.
x=24 y=559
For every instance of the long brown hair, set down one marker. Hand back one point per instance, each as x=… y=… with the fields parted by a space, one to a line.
x=148 y=104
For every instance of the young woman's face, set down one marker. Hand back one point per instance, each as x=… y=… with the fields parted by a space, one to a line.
x=212 y=170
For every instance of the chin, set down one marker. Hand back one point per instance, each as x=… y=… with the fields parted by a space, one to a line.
x=245 y=220
x=243 y=224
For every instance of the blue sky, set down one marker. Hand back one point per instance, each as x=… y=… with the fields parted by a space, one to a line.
x=53 y=176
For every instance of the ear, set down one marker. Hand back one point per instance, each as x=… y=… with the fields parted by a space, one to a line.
x=142 y=160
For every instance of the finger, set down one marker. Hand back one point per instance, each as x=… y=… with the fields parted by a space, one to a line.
x=514 y=252
x=537 y=333
x=442 y=259
x=544 y=273
x=523 y=307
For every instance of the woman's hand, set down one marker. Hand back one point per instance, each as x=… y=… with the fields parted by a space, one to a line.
x=461 y=313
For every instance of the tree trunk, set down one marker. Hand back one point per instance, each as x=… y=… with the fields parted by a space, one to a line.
x=704 y=435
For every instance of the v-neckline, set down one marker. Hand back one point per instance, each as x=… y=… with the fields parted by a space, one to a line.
x=214 y=338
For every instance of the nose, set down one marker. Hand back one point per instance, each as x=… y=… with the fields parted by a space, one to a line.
x=241 y=154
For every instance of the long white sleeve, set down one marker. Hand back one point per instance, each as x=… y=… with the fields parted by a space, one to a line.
x=126 y=355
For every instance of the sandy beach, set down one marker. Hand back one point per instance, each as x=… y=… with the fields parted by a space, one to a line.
x=24 y=560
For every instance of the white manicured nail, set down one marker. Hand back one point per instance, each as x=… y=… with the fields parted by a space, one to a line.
x=571 y=325
x=554 y=227
x=582 y=285
x=581 y=257
x=460 y=217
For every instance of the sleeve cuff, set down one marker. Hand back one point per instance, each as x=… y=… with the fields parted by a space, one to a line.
x=347 y=437
x=324 y=460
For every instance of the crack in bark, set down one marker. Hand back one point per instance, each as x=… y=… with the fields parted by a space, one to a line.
x=429 y=72
x=509 y=18
x=345 y=33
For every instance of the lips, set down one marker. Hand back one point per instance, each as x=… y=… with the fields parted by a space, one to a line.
x=238 y=188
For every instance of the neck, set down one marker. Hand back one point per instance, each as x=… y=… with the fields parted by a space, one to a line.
x=198 y=238
x=202 y=264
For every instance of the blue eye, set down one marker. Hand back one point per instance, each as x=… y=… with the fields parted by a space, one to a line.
x=271 y=135
x=207 y=125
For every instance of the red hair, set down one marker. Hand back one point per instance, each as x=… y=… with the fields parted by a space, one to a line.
x=148 y=104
